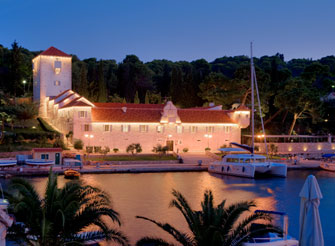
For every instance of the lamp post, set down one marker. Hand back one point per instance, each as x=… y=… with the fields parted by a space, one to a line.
x=208 y=136
x=24 y=82
x=89 y=136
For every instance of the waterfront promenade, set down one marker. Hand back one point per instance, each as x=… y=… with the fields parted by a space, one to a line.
x=190 y=165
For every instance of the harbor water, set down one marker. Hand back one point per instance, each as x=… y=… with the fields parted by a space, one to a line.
x=149 y=194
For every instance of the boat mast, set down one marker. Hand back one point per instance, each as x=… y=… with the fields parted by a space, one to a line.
x=252 y=101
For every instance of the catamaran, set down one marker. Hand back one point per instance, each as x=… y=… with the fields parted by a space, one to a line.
x=249 y=165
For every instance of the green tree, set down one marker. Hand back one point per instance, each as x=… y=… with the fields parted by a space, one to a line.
x=78 y=144
x=133 y=76
x=147 y=97
x=212 y=225
x=62 y=214
x=102 y=96
x=176 y=84
x=16 y=70
x=300 y=99
x=136 y=98
x=83 y=89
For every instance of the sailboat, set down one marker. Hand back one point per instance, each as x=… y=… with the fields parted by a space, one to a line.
x=249 y=165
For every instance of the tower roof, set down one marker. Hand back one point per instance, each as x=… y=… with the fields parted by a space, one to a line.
x=52 y=51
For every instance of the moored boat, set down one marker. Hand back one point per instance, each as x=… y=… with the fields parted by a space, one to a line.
x=71 y=174
x=39 y=162
x=328 y=166
x=273 y=238
x=247 y=165
x=8 y=162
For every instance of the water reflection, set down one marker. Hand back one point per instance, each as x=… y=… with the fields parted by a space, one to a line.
x=149 y=194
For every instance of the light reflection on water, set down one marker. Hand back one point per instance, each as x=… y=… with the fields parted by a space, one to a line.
x=149 y=194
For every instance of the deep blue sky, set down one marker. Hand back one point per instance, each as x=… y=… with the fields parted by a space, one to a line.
x=171 y=29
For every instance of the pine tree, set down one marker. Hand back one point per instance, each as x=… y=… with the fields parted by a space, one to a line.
x=136 y=98
x=147 y=96
x=124 y=100
x=83 y=89
x=16 y=69
x=102 y=96
x=176 y=84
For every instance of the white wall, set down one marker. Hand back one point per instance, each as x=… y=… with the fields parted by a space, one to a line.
x=195 y=142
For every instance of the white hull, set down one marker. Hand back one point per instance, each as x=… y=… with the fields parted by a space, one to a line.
x=8 y=162
x=248 y=170
x=39 y=162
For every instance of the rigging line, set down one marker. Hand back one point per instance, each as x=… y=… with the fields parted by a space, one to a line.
x=260 y=111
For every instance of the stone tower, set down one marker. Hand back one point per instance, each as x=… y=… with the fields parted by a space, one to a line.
x=52 y=74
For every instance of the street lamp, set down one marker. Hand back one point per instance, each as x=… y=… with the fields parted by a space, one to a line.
x=208 y=136
x=89 y=136
x=24 y=82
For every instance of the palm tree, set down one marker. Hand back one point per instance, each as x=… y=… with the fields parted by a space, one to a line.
x=213 y=225
x=63 y=215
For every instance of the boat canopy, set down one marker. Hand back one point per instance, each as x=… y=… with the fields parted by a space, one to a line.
x=232 y=150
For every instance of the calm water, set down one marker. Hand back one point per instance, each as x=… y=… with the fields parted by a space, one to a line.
x=149 y=194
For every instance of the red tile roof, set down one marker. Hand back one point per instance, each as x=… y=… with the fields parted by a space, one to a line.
x=154 y=115
x=52 y=51
x=61 y=94
x=47 y=150
x=131 y=115
x=204 y=116
x=76 y=103
x=129 y=105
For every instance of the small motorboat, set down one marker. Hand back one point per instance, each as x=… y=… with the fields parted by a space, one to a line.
x=272 y=238
x=39 y=162
x=71 y=174
x=8 y=162
x=328 y=166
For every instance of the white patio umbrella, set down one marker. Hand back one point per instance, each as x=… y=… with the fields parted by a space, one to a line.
x=310 y=230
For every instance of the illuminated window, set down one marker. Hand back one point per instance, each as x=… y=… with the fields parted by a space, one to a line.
x=143 y=128
x=86 y=127
x=210 y=129
x=107 y=128
x=57 y=66
x=82 y=114
x=125 y=128
x=193 y=129
x=57 y=83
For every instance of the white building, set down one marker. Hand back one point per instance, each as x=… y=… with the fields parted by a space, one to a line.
x=117 y=125
x=52 y=75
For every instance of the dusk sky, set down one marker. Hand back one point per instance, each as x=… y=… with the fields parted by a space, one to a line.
x=171 y=29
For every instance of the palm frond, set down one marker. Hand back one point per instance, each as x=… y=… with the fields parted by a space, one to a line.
x=182 y=238
x=152 y=241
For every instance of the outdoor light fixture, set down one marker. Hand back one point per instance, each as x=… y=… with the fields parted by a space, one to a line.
x=24 y=86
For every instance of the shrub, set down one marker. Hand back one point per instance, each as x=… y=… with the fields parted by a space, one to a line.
x=59 y=143
x=115 y=150
x=78 y=144
x=105 y=150
x=97 y=149
x=160 y=149
x=185 y=150
x=134 y=147
x=207 y=149
x=89 y=149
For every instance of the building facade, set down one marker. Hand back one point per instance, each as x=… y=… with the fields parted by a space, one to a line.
x=52 y=74
x=117 y=125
